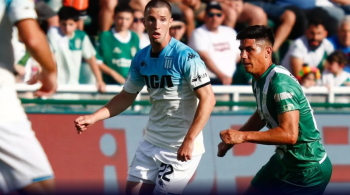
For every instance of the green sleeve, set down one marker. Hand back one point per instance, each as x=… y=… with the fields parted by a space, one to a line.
x=286 y=95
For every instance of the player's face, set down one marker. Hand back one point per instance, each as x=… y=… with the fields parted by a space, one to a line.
x=315 y=35
x=344 y=34
x=254 y=55
x=157 y=22
x=123 y=21
x=68 y=27
x=214 y=19
x=137 y=25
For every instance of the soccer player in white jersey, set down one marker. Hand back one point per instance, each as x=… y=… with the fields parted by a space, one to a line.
x=23 y=163
x=176 y=78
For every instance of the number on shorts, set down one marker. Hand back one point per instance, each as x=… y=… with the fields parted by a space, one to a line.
x=164 y=176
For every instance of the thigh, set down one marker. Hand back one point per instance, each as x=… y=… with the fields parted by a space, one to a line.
x=273 y=11
x=174 y=175
x=144 y=165
x=22 y=159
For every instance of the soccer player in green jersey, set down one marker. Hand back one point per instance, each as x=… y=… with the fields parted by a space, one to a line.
x=300 y=164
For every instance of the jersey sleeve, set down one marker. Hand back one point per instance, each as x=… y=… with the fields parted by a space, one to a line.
x=21 y=9
x=286 y=96
x=195 y=71
x=88 y=50
x=134 y=81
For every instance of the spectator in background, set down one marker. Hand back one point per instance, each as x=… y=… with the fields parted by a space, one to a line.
x=341 y=41
x=69 y=46
x=216 y=45
x=334 y=75
x=106 y=14
x=235 y=11
x=180 y=7
x=280 y=15
x=138 y=27
x=117 y=47
x=309 y=76
x=81 y=6
x=47 y=18
x=178 y=27
x=311 y=49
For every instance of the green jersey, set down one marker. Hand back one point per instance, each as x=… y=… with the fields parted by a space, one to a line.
x=117 y=54
x=276 y=92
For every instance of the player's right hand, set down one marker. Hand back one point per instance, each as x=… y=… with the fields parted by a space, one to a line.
x=223 y=148
x=48 y=81
x=83 y=122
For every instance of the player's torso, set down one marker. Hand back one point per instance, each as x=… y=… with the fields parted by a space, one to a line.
x=118 y=55
x=164 y=78
x=308 y=148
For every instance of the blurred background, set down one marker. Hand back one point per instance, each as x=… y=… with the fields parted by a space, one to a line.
x=312 y=40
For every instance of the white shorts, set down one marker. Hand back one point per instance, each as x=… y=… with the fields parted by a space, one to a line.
x=22 y=159
x=152 y=164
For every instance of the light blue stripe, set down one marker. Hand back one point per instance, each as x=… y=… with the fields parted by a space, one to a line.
x=43 y=178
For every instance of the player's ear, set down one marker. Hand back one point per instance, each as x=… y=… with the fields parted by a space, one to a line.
x=170 y=21
x=268 y=52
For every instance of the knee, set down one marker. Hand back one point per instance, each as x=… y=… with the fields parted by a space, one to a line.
x=230 y=14
x=288 y=17
x=188 y=13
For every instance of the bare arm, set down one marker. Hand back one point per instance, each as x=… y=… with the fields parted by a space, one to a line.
x=285 y=133
x=115 y=106
x=116 y=76
x=296 y=65
x=206 y=104
x=96 y=70
x=254 y=123
x=37 y=45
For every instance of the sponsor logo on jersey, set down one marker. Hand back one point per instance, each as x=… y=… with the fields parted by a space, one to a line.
x=191 y=56
x=168 y=62
x=199 y=77
x=283 y=96
x=77 y=43
x=288 y=107
x=122 y=62
x=117 y=50
x=154 y=82
x=133 y=51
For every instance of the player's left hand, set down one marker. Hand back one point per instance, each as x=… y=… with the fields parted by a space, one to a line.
x=101 y=86
x=231 y=136
x=185 y=151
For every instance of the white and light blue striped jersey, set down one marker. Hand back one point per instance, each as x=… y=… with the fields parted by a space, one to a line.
x=171 y=79
x=12 y=11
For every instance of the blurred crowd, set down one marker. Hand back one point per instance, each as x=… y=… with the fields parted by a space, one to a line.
x=94 y=41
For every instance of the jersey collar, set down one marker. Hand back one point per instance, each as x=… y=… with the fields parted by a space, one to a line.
x=268 y=71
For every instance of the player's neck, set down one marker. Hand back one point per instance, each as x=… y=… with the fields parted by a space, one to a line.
x=259 y=74
x=158 y=47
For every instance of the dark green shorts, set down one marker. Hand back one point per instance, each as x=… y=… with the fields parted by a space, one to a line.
x=274 y=179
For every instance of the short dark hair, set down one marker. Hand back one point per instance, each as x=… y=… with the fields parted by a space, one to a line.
x=339 y=57
x=315 y=22
x=258 y=32
x=123 y=8
x=67 y=13
x=158 y=4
